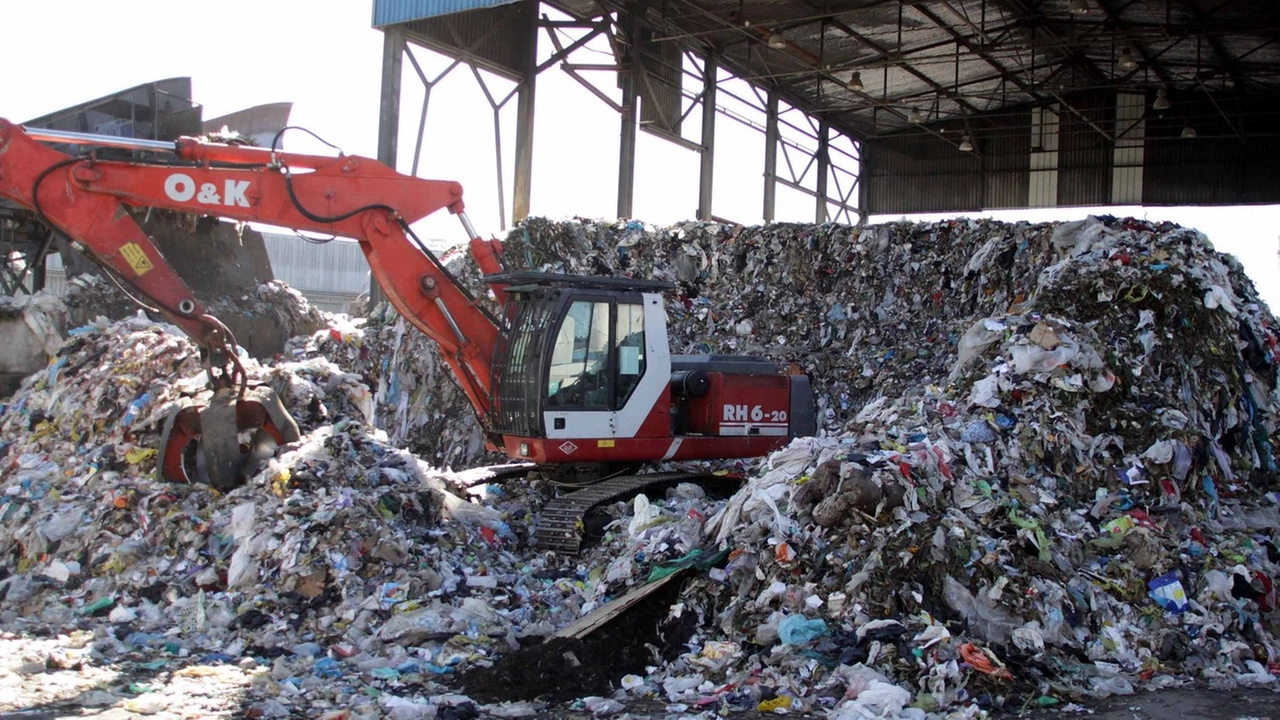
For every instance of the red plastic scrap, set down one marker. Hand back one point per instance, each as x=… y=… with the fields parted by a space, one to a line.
x=943 y=467
x=1269 y=599
x=984 y=661
x=1141 y=518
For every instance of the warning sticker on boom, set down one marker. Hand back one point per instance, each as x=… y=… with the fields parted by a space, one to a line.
x=136 y=258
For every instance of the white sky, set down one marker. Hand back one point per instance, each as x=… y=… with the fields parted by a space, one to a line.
x=323 y=56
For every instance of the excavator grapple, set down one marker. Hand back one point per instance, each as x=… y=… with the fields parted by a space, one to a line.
x=225 y=442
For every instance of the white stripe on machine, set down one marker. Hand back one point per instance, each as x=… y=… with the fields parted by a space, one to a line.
x=744 y=429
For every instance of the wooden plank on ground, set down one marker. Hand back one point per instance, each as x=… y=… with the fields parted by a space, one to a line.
x=597 y=619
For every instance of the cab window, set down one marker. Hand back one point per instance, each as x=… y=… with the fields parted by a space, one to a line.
x=580 y=370
x=629 y=331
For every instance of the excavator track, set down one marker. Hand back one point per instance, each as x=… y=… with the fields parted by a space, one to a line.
x=560 y=525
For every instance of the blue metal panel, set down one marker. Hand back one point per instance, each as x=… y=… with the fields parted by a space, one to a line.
x=394 y=12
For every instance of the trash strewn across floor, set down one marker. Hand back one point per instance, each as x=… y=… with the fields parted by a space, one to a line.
x=1045 y=475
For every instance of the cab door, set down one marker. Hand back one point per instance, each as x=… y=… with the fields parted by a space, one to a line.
x=607 y=368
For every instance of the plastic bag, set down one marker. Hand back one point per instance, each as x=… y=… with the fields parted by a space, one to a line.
x=1035 y=359
x=978 y=431
x=62 y=525
x=987 y=620
x=986 y=392
x=799 y=630
x=975 y=341
x=1106 y=687
x=879 y=700
x=1078 y=236
x=644 y=515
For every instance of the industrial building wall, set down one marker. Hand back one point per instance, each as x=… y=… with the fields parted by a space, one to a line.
x=1101 y=150
x=920 y=172
x=330 y=275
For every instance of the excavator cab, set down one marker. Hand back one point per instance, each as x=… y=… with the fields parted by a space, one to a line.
x=580 y=357
x=584 y=373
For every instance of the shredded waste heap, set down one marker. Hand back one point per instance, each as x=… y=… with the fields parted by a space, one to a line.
x=1045 y=474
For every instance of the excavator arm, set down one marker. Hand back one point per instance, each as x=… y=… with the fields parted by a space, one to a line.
x=33 y=176
x=85 y=197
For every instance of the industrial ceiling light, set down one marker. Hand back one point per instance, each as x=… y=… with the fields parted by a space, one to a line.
x=1188 y=132
x=915 y=118
x=1126 y=59
x=855 y=82
x=1162 y=100
x=966 y=145
x=777 y=42
x=1079 y=7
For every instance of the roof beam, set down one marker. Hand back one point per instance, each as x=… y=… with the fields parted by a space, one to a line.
x=1113 y=16
x=1224 y=58
x=1011 y=77
x=1002 y=75
x=1037 y=20
x=801 y=102
x=884 y=53
x=879 y=61
x=790 y=22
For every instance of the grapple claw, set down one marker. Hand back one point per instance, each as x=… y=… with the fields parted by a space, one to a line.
x=226 y=442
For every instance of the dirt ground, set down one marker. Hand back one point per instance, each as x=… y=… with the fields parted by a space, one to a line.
x=48 y=678
x=561 y=669
x=1257 y=703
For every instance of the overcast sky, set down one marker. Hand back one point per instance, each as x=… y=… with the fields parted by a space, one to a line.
x=323 y=56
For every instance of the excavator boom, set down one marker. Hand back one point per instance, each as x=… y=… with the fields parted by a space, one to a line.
x=347 y=196
x=86 y=197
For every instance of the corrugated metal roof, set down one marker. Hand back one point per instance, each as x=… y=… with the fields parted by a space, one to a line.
x=391 y=12
x=496 y=38
x=972 y=66
x=969 y=58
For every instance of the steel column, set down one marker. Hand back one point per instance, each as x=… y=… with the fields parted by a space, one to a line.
x=824 y=167
x=708 y=152
x=630 y=82
x=524 y=121
x=770 y=156
x=393 y=47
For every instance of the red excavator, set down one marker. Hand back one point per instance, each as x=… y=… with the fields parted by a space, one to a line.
x=576 y=373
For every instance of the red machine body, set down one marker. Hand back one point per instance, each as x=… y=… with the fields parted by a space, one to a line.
x=579 y=370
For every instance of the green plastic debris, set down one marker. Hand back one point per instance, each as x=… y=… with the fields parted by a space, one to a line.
x=97 y=606
x=696 y=559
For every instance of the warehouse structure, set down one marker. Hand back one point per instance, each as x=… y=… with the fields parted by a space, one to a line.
x=870 y=107
x=893 y=106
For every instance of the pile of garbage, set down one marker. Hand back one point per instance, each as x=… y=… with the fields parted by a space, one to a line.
x=343 y=556
x=415 y=398
x=262 y=318
x=1044 y=473
x=1047 y=465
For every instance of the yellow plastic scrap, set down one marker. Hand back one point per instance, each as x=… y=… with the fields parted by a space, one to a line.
x=782 y=702
x=280 y=484
x=138 y=454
